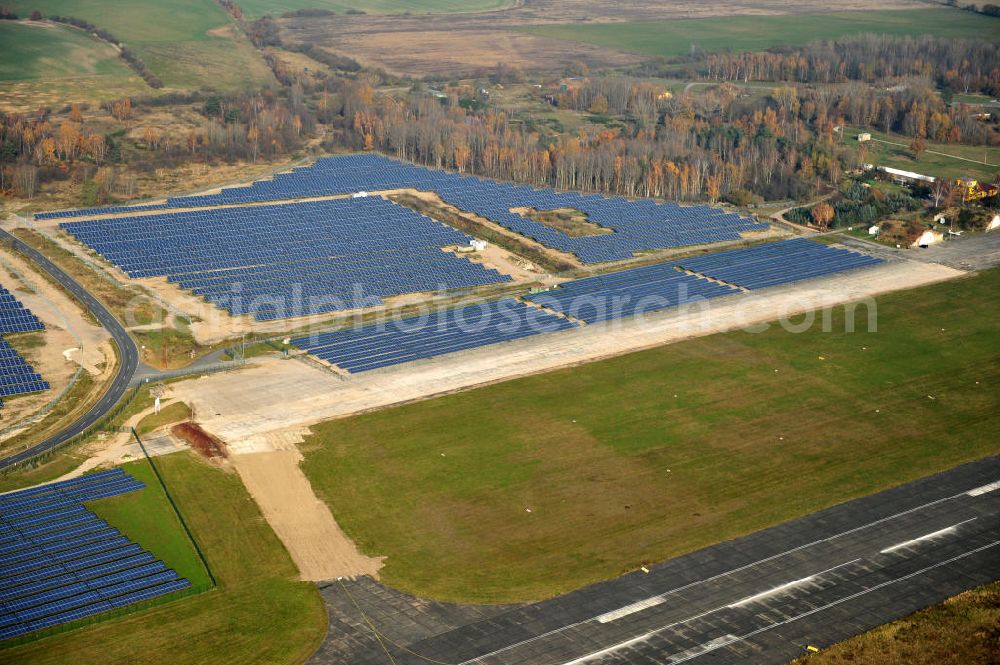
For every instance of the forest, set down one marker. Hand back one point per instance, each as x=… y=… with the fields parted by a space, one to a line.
x=714 y=143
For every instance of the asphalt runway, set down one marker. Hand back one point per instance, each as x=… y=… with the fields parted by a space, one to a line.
x=759 y=599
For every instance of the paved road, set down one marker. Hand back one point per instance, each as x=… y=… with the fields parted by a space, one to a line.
x=129 y=355
x=760 y=599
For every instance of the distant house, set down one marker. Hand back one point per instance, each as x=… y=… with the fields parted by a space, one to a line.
x=864 y=137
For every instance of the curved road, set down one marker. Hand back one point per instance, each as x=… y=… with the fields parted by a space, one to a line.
x=128 y=361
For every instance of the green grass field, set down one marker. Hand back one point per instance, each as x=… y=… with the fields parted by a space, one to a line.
x=646 y=456
x=187 y=43
x=751 y=33
x=942 y=160
x=58 y=64
x=146 y=518
x=172 y=413
x=959 y=631
x=255 y=8
x=258 y=613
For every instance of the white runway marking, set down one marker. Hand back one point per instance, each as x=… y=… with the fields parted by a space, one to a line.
x=984 y=489
x=608 y=617
x=929 y=536
x=661 y=597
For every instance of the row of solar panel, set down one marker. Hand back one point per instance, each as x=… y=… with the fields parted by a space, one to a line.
x=625 y=293
x=629 y=293
x=108 y=210
x=415 y=338
x=17 y=377
x=60 y=562
x=777 y=263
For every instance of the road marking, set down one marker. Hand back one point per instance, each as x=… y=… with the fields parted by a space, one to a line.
x=770 y=592
x=985 y=489
x=614 y=615
x=663 y=595
x=645 y=636
x=786 y=586
x=705 y=647
x=929 y=536
x=834 y=603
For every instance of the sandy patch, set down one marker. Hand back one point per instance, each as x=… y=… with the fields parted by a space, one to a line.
x=302 y=522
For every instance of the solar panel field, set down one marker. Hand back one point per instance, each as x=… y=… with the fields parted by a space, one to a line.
x=61 y=563
x=498 y=332
x=256 y=613
x=17 y=377
x=312 y=240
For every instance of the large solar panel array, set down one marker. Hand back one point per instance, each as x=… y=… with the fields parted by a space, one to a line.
x=628 y=293
x=59 y=562
x=439 y=333
x=278 y=261
x=777 y=263
x=17 y=377
x=638 y=225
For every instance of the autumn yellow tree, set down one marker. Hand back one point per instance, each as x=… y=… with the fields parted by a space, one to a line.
x=822 y=214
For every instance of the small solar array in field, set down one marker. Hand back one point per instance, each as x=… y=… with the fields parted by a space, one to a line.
x=17 y=377
x=59 y=562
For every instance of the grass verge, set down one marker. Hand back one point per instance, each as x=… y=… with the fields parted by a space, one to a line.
x=172 y=413
x=647 y=456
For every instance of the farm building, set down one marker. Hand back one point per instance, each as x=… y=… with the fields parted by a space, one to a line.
x=906 y=177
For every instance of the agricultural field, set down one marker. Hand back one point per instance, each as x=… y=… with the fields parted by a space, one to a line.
x=593 y=471
x=255 y=8
x=51 y=64
x=943 y=160
x=955 y=632
x=188 y=44
x=750 y=33
x=256 y=614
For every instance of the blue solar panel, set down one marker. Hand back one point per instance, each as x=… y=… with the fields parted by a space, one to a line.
x=16 y=376
x=60 y=562
x=628 y=293
x=259 y=260
x=278 y=261
x=415 y=338
x=778 y=263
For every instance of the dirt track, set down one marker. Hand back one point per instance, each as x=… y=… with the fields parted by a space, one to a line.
x=303 y=522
